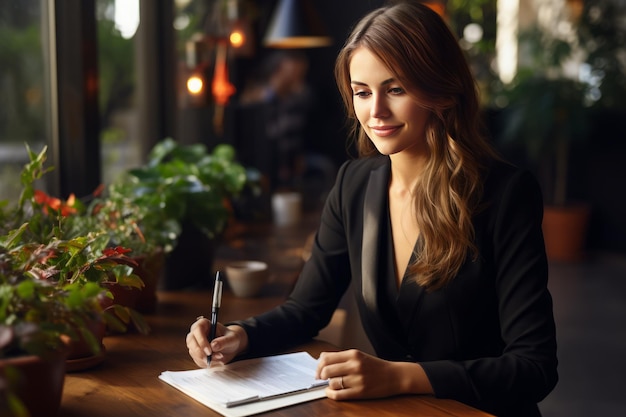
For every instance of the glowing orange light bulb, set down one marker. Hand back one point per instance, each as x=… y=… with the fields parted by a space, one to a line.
x=237 y=38
x=195 y=85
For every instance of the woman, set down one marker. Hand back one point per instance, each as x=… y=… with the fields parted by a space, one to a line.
x=441 y=239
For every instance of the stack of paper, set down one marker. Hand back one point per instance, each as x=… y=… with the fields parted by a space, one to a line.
x=252 y=386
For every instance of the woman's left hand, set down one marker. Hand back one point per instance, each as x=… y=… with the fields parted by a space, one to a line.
x=353 y=374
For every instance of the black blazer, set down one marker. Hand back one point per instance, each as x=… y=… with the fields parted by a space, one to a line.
x=486 y=339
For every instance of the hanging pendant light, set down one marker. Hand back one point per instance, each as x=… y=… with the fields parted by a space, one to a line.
x=221 y=87
x=295 y=24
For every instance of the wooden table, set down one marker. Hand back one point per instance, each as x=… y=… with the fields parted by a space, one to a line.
x=126 y=384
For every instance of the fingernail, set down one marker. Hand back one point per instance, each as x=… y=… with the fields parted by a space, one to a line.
x=207 y=351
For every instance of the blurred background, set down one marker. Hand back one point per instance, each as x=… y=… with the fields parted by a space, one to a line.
x=100 y=82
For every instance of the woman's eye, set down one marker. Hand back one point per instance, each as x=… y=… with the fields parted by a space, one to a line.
x=396 y=90
x=361 y=94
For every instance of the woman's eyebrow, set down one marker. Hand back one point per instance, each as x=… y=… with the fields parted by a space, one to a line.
x=388 y=81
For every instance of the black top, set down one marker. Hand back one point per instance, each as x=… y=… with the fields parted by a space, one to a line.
x=487 y=339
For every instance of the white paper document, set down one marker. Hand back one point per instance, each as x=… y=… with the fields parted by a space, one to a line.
x=252 y=386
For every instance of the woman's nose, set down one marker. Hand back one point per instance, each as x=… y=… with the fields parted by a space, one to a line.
x=379 y=107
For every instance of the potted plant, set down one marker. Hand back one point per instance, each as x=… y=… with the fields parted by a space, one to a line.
x=114 y=210
x=50 y=296
x=191 y=189
x=565 y=80
x=549 y=116
x=77 y=256
x=34 y=319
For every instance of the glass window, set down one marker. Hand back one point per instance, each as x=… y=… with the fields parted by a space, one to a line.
x=117 y=22
x=25 y=109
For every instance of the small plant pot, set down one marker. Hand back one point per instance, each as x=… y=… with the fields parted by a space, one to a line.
x=80 y=355
x=150 y=269
x=36 y=382
x=122 y=295
x=565 y=232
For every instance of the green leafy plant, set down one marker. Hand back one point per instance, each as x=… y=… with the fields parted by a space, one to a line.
x=41 y=252
x=54 y=290
x=185 y=185
x=114 y=209
x=55 y=283
x=50 y=295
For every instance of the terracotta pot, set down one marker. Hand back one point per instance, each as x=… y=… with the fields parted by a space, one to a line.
x=37 y=382
x=80 y=355
x=124 y=296
x=150 y=269
x=565 y=232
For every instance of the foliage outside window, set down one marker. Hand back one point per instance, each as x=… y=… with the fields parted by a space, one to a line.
x=23 y=72
x=116 y=66
x=474 y=22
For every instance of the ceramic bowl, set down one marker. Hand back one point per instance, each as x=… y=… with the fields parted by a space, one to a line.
x=246 y=278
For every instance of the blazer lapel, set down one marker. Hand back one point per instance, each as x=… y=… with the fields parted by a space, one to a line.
x=374 y=214
x=375 y=199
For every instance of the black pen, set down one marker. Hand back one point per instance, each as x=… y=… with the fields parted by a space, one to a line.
x=215 y=308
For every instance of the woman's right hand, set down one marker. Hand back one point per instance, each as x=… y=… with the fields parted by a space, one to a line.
x=228 y=343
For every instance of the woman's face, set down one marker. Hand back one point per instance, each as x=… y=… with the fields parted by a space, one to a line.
x=392 y=119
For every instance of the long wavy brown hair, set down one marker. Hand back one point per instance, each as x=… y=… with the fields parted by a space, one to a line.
x=417 y=46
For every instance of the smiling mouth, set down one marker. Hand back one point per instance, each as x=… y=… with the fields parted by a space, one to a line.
x=384 y=130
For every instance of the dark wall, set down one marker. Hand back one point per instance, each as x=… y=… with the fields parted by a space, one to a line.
x=339 y=17
x=328 y=134
x=597 y=176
